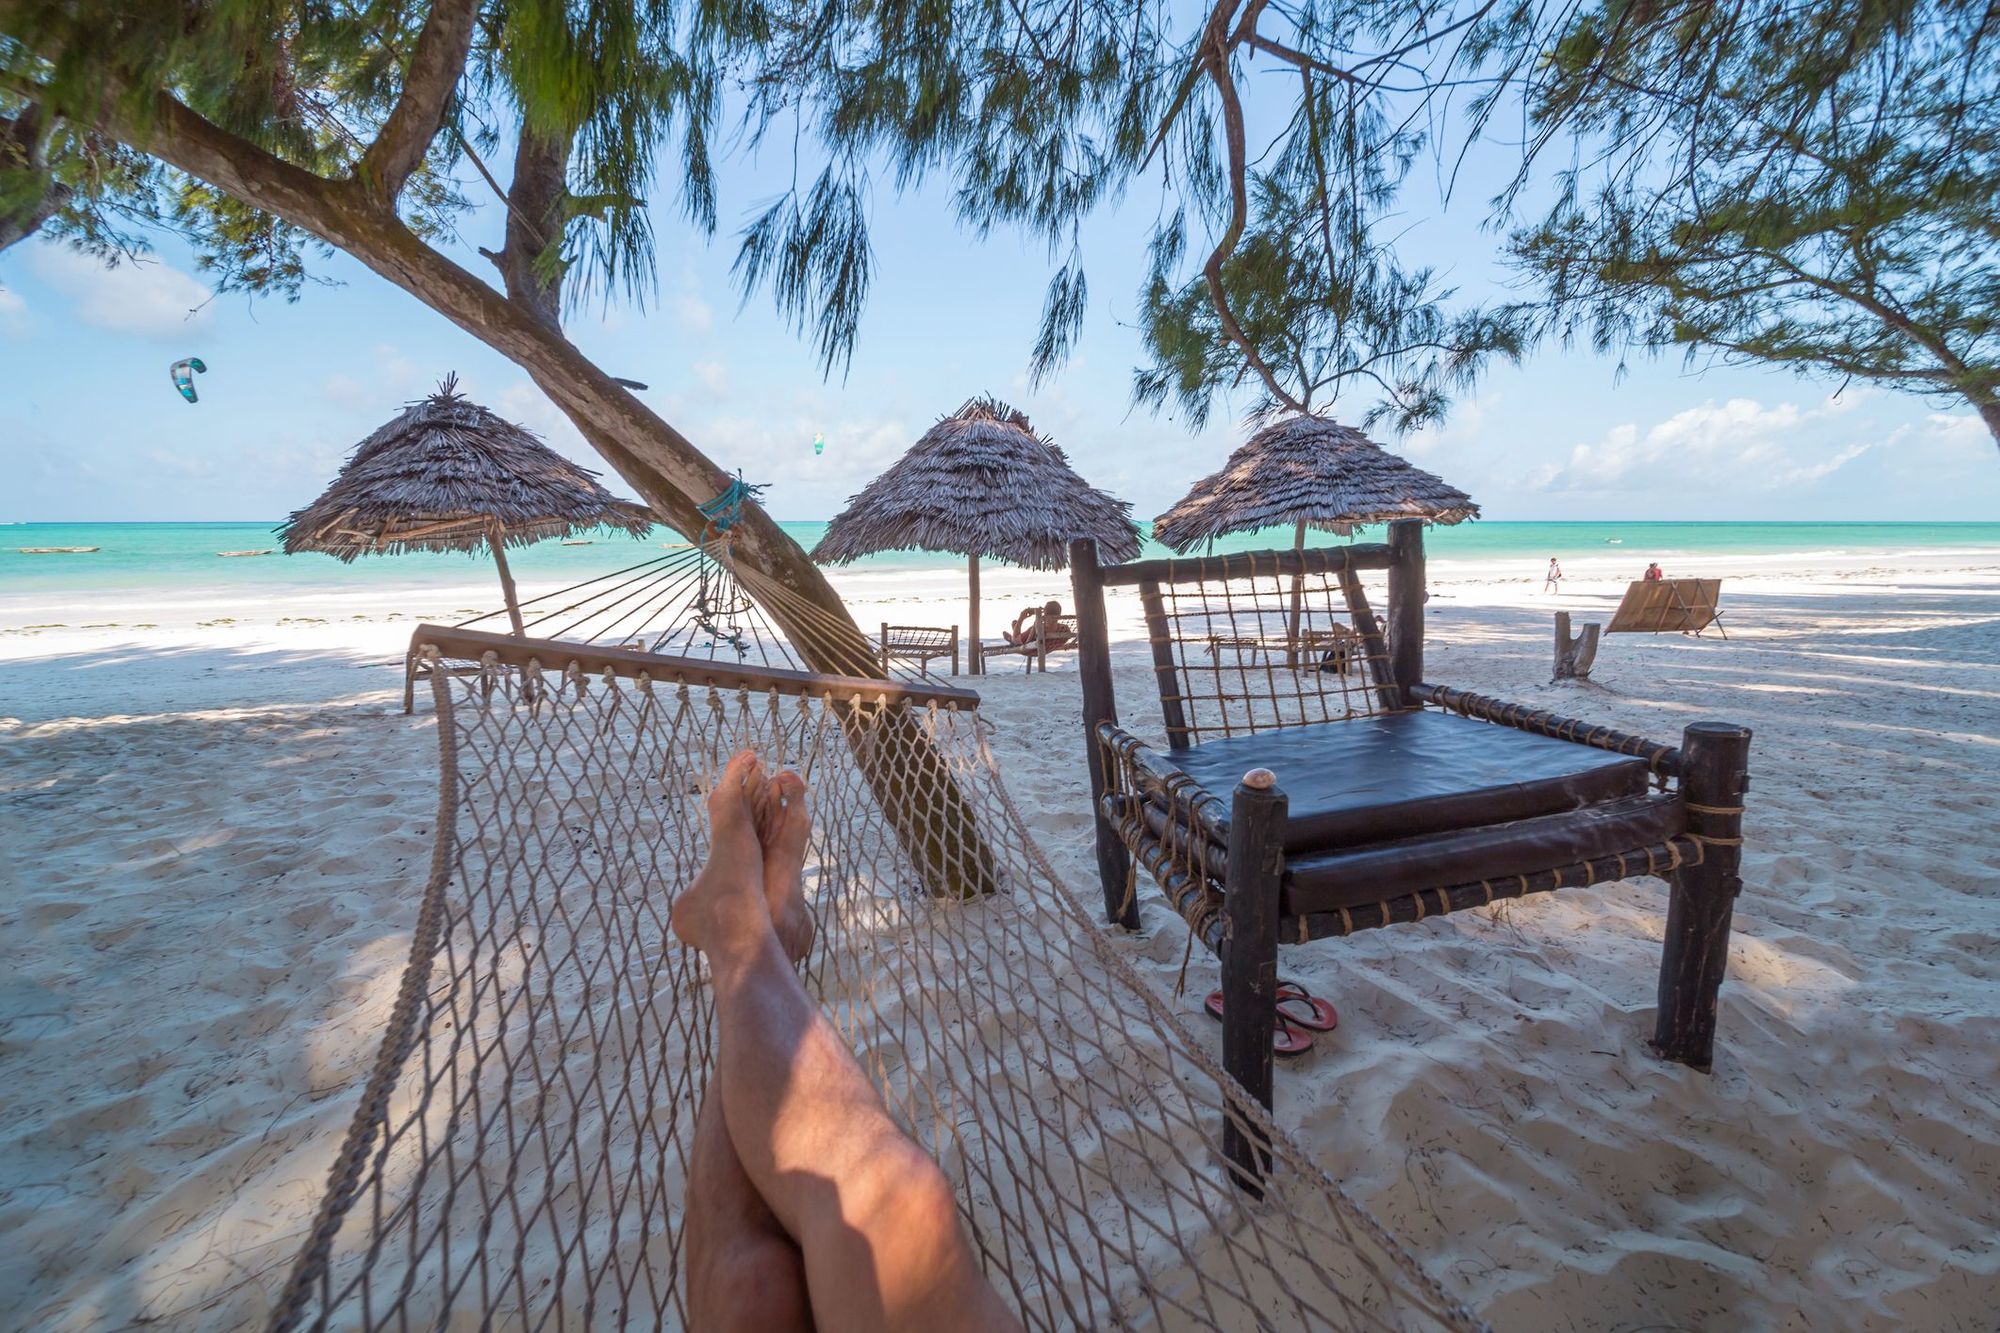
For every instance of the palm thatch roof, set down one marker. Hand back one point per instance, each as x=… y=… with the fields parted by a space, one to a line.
x=442 y=475
x=1307 y=469
x=981 y=483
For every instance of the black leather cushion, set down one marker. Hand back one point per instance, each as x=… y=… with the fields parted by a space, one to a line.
x=1403 y=775
x=1323 y=881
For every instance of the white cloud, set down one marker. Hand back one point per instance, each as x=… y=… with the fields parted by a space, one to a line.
x=1741 y=443
x=1961 y=435
x=185 y=465
x=13 y=315
x=392 y=381
x=695 y=314
x=143 y=297
x=713 y=374
x=526 y=405
x=347 y=391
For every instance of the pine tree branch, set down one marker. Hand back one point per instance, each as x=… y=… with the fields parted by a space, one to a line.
x=435 y=69
x=178 y=136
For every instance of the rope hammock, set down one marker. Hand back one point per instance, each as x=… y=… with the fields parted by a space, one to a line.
x=521 y=1149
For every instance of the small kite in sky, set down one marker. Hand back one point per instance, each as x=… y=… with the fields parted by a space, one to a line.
x=184 y=373
x=819 y=444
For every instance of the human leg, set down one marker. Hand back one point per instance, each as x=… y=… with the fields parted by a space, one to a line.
x=869 y=1209
x=743 y=1270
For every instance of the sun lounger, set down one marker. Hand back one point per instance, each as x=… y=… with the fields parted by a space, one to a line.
x=1668 y=605
x=1037 y=632
x=919 y=644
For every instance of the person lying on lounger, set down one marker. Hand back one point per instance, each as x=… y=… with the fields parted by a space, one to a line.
x=807 y=1206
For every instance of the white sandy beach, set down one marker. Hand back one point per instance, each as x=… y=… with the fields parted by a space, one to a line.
x=217 y=822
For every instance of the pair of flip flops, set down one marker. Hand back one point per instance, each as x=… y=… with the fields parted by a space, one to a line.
x=1300 y=1014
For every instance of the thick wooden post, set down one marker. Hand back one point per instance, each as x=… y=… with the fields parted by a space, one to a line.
x=1250 y=961
x=1406 y=605
x=975 y=664
x=1100 y=704
x=1714 y=773
x=496 y=537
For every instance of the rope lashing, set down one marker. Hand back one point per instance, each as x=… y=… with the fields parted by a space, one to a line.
x=725 y=511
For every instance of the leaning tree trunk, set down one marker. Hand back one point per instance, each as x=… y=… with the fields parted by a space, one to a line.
x=658 y=461
x=1989 y=412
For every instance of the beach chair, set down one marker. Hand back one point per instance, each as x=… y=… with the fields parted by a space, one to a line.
x=1333 y=648
x=1290 y=803
x=1037 y=632
x=1668 y=605
x=919 y=644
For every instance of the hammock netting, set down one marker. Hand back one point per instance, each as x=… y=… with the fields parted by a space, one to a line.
x=521 y=1151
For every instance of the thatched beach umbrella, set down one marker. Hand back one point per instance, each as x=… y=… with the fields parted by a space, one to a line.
x=448 y=475
x=980 y=483
x=1312 y=473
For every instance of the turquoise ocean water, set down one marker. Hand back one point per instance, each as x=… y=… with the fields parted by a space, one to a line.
x=183 y=556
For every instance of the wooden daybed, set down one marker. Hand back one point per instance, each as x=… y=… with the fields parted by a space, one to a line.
x=1294 y=801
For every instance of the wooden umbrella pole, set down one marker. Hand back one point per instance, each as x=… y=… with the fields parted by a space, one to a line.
x=1293 y=649
x=496 y=537
x=972 y=614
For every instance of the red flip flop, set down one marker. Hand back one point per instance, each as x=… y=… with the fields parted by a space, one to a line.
x=1287 y=1037
x=1318 y=1015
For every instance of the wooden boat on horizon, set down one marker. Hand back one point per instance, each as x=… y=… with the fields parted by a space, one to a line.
x=227 y=555
x=58 y=550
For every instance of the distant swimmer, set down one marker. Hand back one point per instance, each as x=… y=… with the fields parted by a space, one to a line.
x=1552 y=581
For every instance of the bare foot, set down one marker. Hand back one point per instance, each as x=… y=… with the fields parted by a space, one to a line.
x=784 y=831
x=723 y=912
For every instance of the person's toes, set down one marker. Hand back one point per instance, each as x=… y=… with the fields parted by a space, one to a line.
x=784 y=864
x=730 y=808
x=791 y=824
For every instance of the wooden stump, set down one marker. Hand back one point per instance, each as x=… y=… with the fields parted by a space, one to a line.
x=1575 y=655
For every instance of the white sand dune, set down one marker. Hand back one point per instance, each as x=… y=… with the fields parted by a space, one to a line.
x=215 y=837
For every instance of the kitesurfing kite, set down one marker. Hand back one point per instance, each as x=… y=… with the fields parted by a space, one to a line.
x=184 y=373
x=819 y=444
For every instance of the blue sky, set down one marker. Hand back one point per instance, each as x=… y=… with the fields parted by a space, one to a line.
x=91 y=429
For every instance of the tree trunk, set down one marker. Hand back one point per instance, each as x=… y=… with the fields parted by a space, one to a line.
x=21 y=150
x=1989 y=412
x=939 y=832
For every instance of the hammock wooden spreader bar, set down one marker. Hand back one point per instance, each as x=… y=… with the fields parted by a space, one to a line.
x=520 y=1154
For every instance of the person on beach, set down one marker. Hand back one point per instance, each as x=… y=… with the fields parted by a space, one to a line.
x=807 y=1206
x=1552 y=581
x=1653 y=574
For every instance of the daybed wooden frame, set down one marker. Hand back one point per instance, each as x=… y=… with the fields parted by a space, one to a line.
x=919 y=644
x=1220 y=856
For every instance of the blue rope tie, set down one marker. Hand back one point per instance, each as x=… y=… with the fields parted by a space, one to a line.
x=726 y=509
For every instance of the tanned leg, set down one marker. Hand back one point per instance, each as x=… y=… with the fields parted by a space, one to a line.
x=744 y=1272
x=872 y=1213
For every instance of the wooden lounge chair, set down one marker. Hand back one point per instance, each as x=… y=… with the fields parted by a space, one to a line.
x=919 y=644
x=1037 y=632
x=1291 y=803
x=1666 y=605
x=1333 y=648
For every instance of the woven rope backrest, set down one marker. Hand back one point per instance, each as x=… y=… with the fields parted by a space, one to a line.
x=1262 y=639
x=521 y=1153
